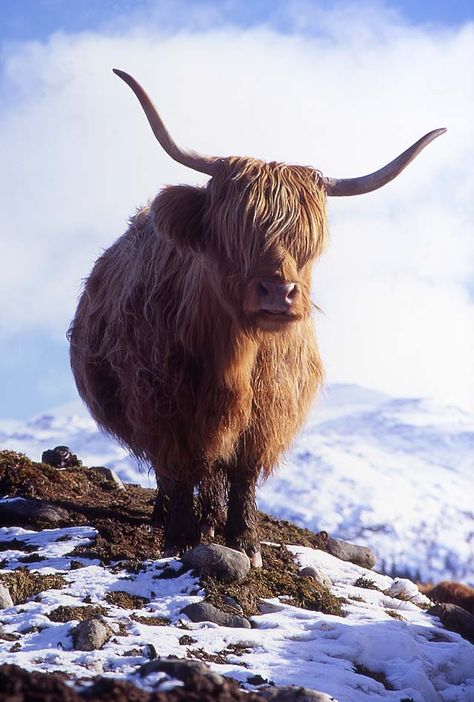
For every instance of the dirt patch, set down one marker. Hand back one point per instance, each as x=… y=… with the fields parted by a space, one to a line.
x=278 y=578
x=24 y=584
x=125 y=600
x=150 y=621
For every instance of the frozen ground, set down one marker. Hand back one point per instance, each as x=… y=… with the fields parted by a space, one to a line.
x=385 y=648
x=395 y=474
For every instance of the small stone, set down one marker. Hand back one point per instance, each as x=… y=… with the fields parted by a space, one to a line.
x=60 y=457
x=317 y=574
x=206 y=612
x=360 y=555
x=456 y=619
x=292 y=693
x=218 y=561
x=18 y=511
x=5 y=597
x=91 y=635
x=111 y=476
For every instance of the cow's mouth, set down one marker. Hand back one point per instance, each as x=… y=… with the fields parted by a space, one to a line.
x=266 y=317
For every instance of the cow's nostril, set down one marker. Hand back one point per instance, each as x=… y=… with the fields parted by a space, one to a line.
x=291 y=292
x=263 y=290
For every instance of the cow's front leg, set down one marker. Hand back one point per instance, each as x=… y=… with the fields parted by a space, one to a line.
x=181 y=527
x=241 y=530
x=213 y=491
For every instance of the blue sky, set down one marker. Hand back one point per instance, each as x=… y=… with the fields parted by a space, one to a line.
x=42 y=81
x=25 y=20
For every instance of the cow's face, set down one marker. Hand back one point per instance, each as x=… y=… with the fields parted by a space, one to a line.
x=257 y=228
x=265 y=225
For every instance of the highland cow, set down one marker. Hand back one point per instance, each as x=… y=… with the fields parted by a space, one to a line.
x=193 y=342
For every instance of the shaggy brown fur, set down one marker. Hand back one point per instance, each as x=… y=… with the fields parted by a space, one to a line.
x=172 y=354
x=454 y=593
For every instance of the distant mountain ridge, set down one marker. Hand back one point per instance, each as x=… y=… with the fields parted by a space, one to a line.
x=394 y=473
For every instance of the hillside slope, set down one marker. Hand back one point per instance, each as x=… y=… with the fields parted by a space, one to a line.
x=359 y=636
x=395 y=474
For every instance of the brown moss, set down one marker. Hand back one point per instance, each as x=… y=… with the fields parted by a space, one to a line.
x=186 y=640
x=201 y=655
x=125 y=600
x=150 y=621
x=282 y=532
x=278 y=578
x=82 y=614
x=23 y=584
x=122 y=517
x=366 y=583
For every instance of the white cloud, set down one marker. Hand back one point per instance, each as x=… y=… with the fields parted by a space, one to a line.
x=78 y=157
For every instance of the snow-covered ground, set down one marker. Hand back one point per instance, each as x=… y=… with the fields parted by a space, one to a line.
x=385 y=647
x=395 y=474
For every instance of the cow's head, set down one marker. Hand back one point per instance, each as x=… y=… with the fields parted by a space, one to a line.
x=260 y=225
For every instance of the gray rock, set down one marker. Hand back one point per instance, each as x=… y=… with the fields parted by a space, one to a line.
x=5 y=597
x=230 y=602
x=181 y=669
x=292 y=693
x=91 y=635
x=111 y=476
x=219 y=561
x=206 y=612
x=455 y=618
x=360 y=555
x=60 y=457
x=317 y=574
x=20 y=511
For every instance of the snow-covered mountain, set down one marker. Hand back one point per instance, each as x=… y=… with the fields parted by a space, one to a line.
x=395 y=474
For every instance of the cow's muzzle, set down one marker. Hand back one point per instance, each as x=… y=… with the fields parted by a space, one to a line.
x=276 y=298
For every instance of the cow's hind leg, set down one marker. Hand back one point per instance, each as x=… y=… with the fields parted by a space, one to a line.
x=181 y=528
x=241 y=530
x=164 y=490
x=213 y=490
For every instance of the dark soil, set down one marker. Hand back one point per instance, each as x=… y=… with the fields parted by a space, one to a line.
x=17 y=685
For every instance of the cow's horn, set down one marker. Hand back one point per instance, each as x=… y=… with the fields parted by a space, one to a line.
x=203 y=164
x=365 y=184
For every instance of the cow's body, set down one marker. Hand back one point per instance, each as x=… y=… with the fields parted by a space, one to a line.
x=193 y=341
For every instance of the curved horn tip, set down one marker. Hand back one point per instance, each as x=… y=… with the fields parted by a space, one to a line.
x=121 y=74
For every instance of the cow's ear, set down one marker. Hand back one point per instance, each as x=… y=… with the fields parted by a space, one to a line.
x=178 y=212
